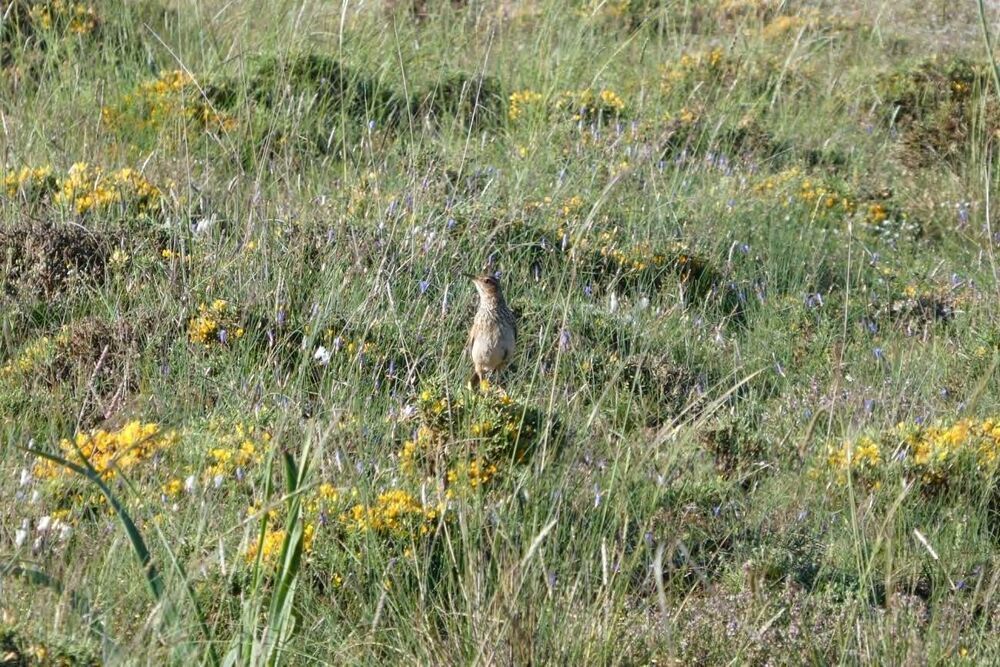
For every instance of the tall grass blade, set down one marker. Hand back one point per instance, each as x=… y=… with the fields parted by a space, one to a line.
x=152 y=574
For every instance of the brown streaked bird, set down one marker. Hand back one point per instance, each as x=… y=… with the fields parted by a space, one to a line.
x=493 y=333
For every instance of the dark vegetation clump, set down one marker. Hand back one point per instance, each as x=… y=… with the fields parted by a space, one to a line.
x=942 y=109
x=44 y=259
x=736 y=448
x=470 y=100
x=324 y=96
x=671 y=389
x=102 y=360
x=331 y=86
x=93 y=364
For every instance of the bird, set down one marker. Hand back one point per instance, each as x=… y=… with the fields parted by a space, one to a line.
x=493 y=333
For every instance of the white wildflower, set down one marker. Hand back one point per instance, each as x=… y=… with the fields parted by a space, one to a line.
x=322 y=355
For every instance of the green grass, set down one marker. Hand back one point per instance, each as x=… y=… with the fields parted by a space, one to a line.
x=751 y=247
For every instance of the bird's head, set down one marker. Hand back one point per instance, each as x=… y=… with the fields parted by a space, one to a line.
x=487 y=285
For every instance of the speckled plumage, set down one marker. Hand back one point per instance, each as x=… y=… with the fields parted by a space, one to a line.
x=493 y=334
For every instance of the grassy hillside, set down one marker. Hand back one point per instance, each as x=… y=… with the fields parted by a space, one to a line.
x=753 y=417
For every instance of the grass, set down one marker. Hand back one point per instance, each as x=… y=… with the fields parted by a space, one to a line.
x=753 y=416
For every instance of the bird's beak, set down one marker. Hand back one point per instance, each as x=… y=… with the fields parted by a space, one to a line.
x=468 y=275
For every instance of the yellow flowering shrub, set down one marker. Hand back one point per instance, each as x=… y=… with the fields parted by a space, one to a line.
x=825 y=200
x=697 y=67
x=820 y=198
x=937 y=106
x=77 y=18
x=214 y=324
x=641 y=260
x=588 y=105
x=32 y=356
x=237 y=448
x=860 y=457
x=395 y=513
x=505 y=429
x=602 y=250
x=438 y=410
x=419 y=453
x=781 y=26
x=324 y=499
x=110 y=452
x=172 y=488
x=579 y=105
x=630 y=257
x=468 y=440
x=521 y=101
x=823 y=196
x=934 y=455
x=471 y=475
x=30 y=183
x=174 y=96
x=274 y=536
x=84 y=188
x=89 y=189
x=319 y=505
x=913 y=301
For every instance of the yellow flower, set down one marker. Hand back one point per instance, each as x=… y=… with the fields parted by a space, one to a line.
x=30 y=181
x=876 y=213
x=173 y=488
x=32 y=356
x=395 y=513
x=87 y=189
x=866 y=453
x=206 y=327
x=687 y=116
x=174 y=95
x=611 y=100
x=269 y=548
x=108 y=452
x=236 y=447
x=782 y=25
x=521 y=99
x=274 y=538
x=119 y=258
